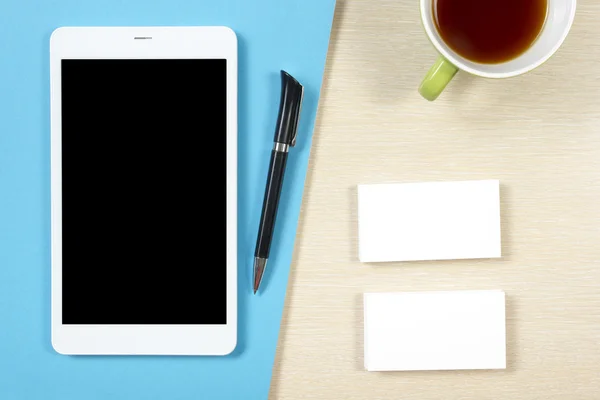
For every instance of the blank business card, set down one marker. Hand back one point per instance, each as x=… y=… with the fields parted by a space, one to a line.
x=429 y=221
x=454 y=330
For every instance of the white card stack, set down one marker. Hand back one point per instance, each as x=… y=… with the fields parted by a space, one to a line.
x=429 y=221
x=434 y=330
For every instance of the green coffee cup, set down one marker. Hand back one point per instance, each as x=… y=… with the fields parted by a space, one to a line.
x=556 y=26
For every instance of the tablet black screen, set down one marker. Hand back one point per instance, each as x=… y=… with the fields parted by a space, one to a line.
x=144 y=191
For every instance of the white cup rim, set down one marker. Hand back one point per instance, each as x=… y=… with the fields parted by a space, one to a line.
x=456 y=59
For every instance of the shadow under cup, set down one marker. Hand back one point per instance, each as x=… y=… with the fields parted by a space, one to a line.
x=559 y=19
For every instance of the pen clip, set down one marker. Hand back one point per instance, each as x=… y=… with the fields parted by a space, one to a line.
x=292 y=94
x=293 y=141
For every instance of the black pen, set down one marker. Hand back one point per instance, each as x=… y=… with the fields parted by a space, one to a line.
x=285 y=137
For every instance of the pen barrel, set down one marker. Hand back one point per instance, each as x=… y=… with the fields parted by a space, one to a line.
x=270 y=203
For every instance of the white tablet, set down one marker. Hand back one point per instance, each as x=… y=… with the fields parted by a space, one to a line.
x=144 y=199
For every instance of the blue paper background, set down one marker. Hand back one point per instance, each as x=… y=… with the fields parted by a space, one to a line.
x=273 y=35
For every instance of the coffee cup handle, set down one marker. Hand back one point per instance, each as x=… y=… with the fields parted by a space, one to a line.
x=439 y=75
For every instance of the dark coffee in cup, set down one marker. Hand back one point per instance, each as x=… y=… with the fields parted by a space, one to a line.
x=489 y=31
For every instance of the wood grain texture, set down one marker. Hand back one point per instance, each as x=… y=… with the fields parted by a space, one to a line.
x=539 y=134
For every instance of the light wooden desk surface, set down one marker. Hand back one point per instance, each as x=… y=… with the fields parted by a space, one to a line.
x=538 y=134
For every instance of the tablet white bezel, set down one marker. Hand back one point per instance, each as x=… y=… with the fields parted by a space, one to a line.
x=165 y=43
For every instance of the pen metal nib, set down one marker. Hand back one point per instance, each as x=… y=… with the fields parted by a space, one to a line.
x=259 y=269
